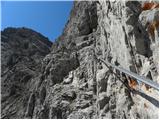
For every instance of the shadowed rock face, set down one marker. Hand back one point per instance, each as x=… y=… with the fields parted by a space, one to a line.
x=22 y=51
x=69 y=82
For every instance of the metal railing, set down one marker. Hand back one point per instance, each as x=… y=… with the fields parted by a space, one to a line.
x=134 y=75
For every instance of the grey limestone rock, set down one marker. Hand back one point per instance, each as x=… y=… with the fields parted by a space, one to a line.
x=70 y=82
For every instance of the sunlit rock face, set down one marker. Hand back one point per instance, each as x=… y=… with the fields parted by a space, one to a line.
x=72 y=83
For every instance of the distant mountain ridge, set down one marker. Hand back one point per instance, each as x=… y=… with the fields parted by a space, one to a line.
x=22 y=50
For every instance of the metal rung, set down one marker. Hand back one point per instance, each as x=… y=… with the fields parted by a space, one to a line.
x=138 y=77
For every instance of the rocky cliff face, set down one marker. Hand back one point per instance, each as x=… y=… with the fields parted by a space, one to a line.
x=72 y=83
x=22 y=51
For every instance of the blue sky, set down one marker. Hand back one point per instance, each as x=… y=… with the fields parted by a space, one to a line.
x=46 y=17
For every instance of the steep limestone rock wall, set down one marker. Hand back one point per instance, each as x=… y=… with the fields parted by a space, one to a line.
x=125 y=42
x=71 y=93
x=114 y=31
x=73 y=84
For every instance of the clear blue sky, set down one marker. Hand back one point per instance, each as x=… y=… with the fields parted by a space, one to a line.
x=46 y=17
